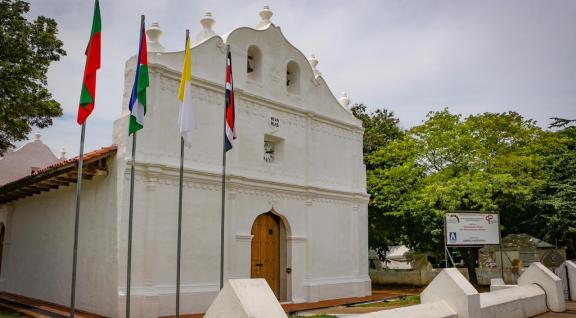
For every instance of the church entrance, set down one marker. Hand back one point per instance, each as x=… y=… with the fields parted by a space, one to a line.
x=268 y=247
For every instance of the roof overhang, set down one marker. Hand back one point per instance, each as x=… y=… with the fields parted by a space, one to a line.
x=58 y=175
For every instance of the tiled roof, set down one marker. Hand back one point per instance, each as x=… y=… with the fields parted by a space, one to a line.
x=87 y=157
x=58 y=174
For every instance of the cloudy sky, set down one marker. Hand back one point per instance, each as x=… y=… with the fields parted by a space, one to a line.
x=409 y=56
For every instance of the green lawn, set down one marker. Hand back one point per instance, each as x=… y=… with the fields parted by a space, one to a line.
x=398 y=302
x=315 y=316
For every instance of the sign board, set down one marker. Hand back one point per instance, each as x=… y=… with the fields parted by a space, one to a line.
x=467 y=228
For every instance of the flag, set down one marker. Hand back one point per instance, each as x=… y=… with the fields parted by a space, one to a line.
x=229 y=100
x=186 y=117
x=88 y=93
x=138 y=97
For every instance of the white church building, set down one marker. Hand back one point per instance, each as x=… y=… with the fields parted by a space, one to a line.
x=296 y=201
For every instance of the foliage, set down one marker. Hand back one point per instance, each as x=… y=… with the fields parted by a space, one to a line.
x=485 y=162
x=555 y=203
x=558 y=122
x=380 y=127
x=26 y=51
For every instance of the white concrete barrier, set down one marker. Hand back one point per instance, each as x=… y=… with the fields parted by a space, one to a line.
x=571 y=273
x=438 y=309
x=246 y=298
x=540 y=275
x=515 y=302
x=498 y=284
x=456 y=291
x=449 y=295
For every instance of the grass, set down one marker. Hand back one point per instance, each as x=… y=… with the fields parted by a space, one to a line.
x=314 y=316
x=8 y=313
x=395 y=302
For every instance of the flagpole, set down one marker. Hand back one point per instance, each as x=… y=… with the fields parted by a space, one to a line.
x=131 y=207
x=178 y=254
x=223 y=187
x=130 y=215
x=76 y=223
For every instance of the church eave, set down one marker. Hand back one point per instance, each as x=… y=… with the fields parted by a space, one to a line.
x=57 y=175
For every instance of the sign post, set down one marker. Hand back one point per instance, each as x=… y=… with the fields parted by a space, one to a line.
x=471 y=228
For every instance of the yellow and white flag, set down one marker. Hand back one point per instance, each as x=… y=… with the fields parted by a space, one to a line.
x=186 y=117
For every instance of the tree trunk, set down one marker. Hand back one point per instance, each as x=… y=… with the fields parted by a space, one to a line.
x=470 y=256
x=570 y=248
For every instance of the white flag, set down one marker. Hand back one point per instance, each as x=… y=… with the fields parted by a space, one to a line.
x=186 y=117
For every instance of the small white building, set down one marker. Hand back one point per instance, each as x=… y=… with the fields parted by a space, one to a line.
x=296 y=209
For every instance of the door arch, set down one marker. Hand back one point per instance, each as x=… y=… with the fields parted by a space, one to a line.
x=269 y=253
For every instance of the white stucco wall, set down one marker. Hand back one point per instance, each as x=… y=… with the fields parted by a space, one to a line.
x=317 y=184
x=37 y=260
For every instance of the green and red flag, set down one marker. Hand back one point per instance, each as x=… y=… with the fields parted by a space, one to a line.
x=137 y=103
x=88 y=94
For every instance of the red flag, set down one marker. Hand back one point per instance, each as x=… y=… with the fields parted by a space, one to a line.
x=229 y=100
x=88 y=94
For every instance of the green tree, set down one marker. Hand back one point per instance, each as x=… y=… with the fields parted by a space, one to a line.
x=26 y=50
x=380 y=127
x=483 y=162
x=558 y=122
x=555 y=204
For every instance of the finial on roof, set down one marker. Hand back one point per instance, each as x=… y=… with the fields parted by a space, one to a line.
x=344 y=101
x=207 y=22
x=314 y=62
x=265 y=14
x=37 y=136
x=62 y=154
x=154 y=33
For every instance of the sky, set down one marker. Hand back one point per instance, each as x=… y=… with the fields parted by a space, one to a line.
x=410 y=57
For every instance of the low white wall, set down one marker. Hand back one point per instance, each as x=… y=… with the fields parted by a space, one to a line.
x=453 y=288
x=571 y=273
x=449 y=295
x=423 y=277
x=540 y=275
x=516 y=302
x=438 y=309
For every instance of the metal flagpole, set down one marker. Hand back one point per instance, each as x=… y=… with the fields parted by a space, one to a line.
x=180 y=209
x=179 y=227
x=223 y=185
x=500 y=246
x=445 y=244
x=76 y=222
x=130 y=214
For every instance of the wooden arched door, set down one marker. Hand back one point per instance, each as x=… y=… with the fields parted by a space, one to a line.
x=266 y=250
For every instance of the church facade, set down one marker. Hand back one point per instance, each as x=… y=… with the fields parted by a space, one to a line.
x=296 y=202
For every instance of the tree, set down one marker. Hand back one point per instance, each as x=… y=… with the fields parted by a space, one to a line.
x=380 y=127
x=484 y=162
x=26 y=51
x=558 y=122
x=555 y=204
